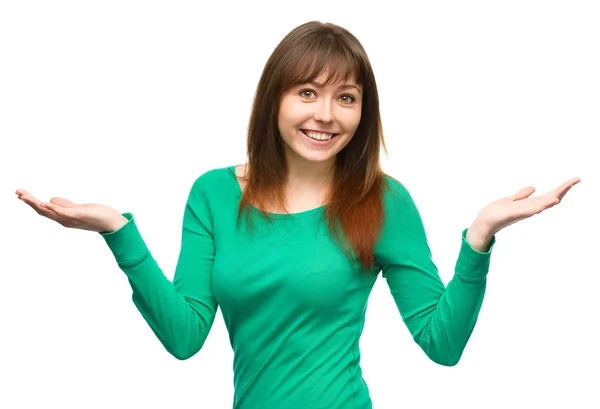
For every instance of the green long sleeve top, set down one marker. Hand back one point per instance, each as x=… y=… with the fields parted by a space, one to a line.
x=293 y=305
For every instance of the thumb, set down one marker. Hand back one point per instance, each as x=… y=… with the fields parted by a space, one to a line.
x=62 y=202
x=523 y=193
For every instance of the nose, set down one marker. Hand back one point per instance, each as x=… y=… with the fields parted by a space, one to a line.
x=323 y=112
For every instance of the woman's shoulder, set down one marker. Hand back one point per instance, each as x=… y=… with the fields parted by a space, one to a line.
x=393 y=186
x=216 y=177
x=215 y=182
x=395 y=192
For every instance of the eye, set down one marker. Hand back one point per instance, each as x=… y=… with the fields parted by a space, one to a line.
x=307 y=93
x=348 y=99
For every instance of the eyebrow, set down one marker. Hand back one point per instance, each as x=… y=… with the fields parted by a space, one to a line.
x=345 y=86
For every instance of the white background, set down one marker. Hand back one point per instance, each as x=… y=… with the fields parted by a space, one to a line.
x=126 y=102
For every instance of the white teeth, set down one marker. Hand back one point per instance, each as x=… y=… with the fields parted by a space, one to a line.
x=319 y=136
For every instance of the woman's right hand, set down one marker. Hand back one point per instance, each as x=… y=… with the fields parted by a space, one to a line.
x=89 y=216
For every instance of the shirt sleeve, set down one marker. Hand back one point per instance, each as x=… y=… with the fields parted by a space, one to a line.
x=180 y=313
x=440 y=318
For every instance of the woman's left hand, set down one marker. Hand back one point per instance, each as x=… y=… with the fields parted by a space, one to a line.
x=509 y=210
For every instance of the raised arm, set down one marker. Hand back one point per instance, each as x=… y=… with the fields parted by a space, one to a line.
x=440 y=318
x=180 y=313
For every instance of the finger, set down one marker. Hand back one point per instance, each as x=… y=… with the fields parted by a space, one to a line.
x=30 y=200
x=562 y=190
x=64 y=212
x=39 y=209
x=535 y=206
x=66 y=216
x=62 y=202
x=35 y=204
x=49 y=212
x=541 y=203
x=523 y=193
x=20 y=192
x=23 y=194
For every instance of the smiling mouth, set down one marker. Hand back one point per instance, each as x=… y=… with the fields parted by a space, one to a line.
x=319 y=136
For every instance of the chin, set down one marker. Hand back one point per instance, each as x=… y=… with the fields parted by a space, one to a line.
x=321 y=159
x=313 y=157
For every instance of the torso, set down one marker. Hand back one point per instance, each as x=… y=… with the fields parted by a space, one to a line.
x=293 y=304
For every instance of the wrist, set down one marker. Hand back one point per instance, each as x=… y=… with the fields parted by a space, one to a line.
x=479 y=237
x=117 y=223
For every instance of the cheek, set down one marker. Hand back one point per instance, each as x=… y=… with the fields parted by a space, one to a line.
x=289 y=114
x=283 y=121
x=352 y=120
x=288 y=121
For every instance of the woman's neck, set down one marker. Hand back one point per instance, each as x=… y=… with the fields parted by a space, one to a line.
x=305 y=176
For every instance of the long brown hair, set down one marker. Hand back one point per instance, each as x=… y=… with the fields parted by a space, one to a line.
x=354 y=210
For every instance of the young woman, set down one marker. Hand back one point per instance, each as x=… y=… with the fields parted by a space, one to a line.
x=290 y=244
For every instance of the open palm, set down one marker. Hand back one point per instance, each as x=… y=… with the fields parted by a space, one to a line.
x=89 y=216
x=509 y=210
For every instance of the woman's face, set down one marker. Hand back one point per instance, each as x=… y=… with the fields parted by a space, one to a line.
x=316 y=122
